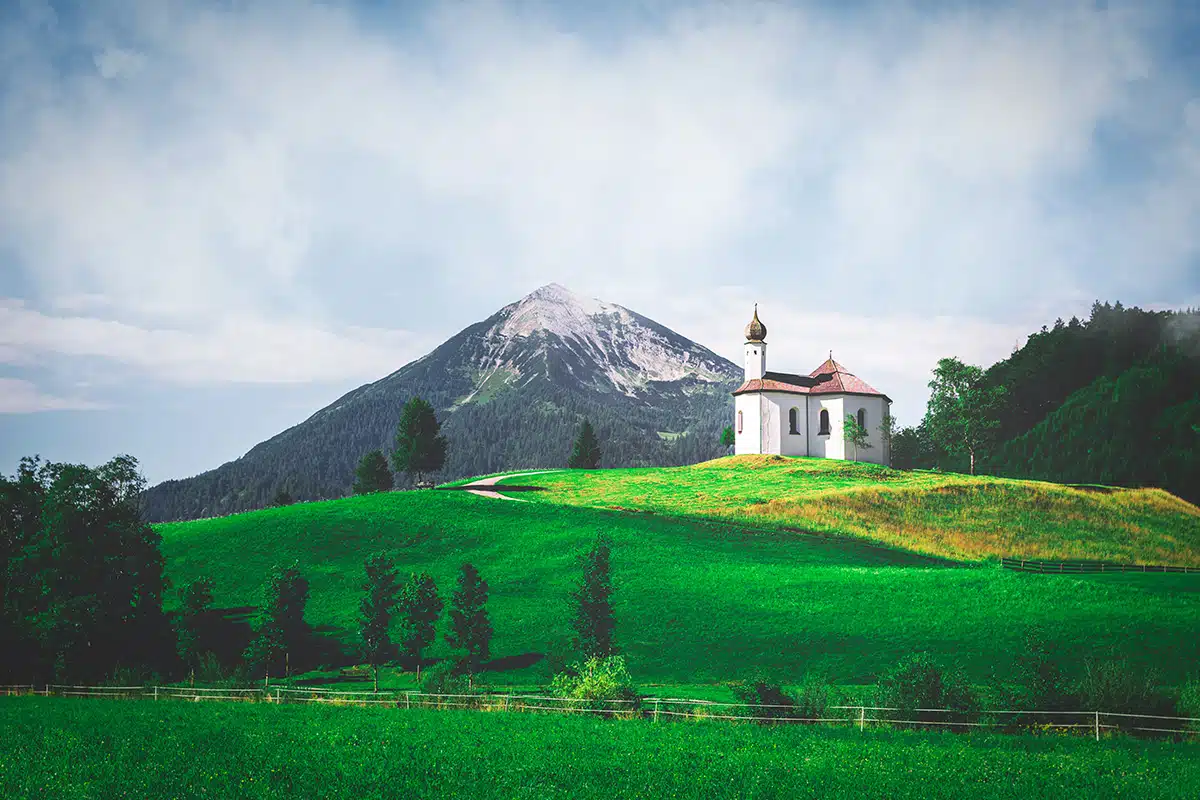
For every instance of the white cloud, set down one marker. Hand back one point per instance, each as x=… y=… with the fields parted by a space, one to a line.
x=241 y=350
x=873 y=172
x=22 y=397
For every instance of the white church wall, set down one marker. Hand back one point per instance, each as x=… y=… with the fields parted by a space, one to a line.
x=833 y=445
x=747 y=437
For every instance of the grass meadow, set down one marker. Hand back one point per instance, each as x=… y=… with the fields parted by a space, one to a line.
x=697 y=602
x=949 y=515
x=83 y=749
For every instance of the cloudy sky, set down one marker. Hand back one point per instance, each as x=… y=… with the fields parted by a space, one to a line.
x=216 y=217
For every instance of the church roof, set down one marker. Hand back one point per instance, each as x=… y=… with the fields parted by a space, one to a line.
x=829 y=378
x=841 y=381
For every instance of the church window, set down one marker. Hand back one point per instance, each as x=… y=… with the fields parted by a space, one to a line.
x=739 y=422
x=824 y=422
x=792 y=420
x=862 y=418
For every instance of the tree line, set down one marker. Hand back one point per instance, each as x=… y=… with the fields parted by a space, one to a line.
x=83 y=590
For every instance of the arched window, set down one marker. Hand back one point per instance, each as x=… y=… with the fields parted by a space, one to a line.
x=739 y=422
x=824 y=423
x=862 y=418
x=793 y=420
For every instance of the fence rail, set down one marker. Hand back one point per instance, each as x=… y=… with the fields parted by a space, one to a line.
x=1082 y=567
x=656 y=708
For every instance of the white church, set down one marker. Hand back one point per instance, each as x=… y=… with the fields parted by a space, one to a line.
x=786 y=414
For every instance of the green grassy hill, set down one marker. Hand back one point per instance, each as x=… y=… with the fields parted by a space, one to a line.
x=948 y=515
x=699 y=601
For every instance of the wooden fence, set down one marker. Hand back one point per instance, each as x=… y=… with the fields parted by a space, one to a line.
x=1082 y=567
x=1091 y=723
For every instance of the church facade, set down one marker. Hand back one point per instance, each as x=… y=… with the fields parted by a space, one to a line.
x=790 y=414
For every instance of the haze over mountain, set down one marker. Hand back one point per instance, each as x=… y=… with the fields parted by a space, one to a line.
x=510 y=392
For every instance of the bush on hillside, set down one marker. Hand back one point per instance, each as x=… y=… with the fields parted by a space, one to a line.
x=602 y=684
x=1189 y=702
x=918 y=682
x=1117 y=686
x=772 y=703
x=1041 y=685
x=445 y=678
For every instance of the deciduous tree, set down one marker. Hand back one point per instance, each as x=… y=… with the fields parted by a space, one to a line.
x=282 y=630
x=961 y=415
x=727 y=437
x=857 y=435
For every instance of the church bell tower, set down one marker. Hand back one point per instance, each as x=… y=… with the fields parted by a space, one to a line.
x=756 y=348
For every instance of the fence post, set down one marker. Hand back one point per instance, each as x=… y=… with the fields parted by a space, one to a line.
x=1097 y=726
x=408 y=699
x=155 y=692
x=656 y=709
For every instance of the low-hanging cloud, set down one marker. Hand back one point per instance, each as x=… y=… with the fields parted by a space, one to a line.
x=258 y=164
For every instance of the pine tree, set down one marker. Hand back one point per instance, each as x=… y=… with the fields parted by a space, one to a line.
x=727 y=437
x=195 y=598
x=377 y=607
x=419 y=610
x=586 y=452
x=419 y=446
x=373 y=474
x=282 y=631
x=470 y=626
x=593 y=622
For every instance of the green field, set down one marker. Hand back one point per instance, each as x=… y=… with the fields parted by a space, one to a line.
x=949 y=515
x=82 y=749
x=697 y=602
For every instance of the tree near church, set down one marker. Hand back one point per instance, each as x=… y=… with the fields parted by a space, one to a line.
x=418 y=611
x=962 y=413
x=593 y=621
x=372 y=474
x=888 y=428
x=282 y=630
x=585 y=454
x=857 y=435
x=420 y=447
x=470 y=626
x=378 y=606
x=727 y=437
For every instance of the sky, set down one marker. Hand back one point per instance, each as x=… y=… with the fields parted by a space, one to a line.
x=217 y=217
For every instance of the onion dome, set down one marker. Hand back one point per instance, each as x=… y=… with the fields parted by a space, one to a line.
x=756 y=331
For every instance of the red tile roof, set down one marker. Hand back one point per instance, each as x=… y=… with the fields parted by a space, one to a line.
x=842 y=381
x=768 y=385
x=829 y=378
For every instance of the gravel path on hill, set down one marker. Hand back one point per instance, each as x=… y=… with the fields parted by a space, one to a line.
x=492 y=481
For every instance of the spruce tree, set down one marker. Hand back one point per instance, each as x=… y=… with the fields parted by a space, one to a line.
x=593 y=622
x=382 y=594
x=586 y=452
x=372 y=474
x=419 y=610
x=419 y=446
x=282 y=631
x=195 y=598
x=470 y=626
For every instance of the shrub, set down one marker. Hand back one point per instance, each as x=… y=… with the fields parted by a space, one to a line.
x=444 y=678
x=601 y=684
x=815 y=698
x=1119 y=687
x=771 y=700
x=1189 y=702
x=918 y=682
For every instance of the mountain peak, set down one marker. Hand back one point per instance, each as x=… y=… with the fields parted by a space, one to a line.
x=555 y=309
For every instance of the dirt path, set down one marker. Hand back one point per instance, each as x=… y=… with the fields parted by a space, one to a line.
x=492 y=481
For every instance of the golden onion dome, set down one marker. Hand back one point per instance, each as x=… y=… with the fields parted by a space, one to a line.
x=756 y=331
